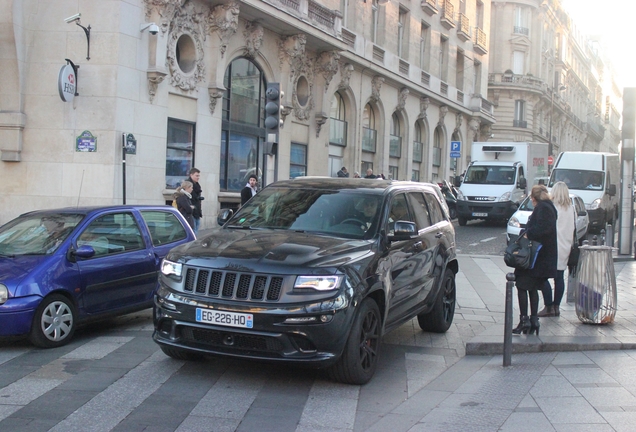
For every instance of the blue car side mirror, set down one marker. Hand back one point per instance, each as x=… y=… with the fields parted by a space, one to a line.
x=84 y=251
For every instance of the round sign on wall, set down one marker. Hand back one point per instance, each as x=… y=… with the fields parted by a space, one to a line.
x=66 y=83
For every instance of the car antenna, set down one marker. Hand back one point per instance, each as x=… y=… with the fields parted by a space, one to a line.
x=80 y=189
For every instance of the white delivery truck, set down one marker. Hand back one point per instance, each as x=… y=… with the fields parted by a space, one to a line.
x=593 y=176
x=498 y=178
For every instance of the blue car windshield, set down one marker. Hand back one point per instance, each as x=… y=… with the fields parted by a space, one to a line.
x=37 y=234
x=342 y=213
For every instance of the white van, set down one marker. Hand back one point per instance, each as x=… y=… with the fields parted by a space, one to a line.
x=592 y=176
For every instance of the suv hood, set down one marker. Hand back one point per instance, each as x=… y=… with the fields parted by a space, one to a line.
x=275 y=247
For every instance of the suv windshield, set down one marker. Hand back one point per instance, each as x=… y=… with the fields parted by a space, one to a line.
x=345 y=213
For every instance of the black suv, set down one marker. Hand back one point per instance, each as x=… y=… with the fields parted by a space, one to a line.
x=312 y=271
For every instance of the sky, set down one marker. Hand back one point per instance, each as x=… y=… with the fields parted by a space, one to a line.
x=613 y=20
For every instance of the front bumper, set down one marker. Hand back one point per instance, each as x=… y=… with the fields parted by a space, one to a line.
x=16 y=315
x=271 y=338
x=486 y=210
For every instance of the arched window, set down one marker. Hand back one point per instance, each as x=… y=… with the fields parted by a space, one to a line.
x=337 y=121
x=437 y=147
x=395 y=146
x=368 y=129
x=418 y=150
x=243 y=132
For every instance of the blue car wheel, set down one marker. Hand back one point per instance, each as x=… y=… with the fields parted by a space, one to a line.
x=53 y=323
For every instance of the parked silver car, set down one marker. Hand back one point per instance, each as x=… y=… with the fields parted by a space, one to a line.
x=518 y=221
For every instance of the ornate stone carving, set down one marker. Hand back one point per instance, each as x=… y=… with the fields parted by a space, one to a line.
x=303 y=112
x=474 y=125
x=442 y=113
x=253 y=39
x=404 y=94
x=459 y=119
x=376 y=86
x=327 y=65
x=321 y=119
x=155 y=77
x=424 y=103
x=187 y=21
x=495 y=100
x=292 y=50
x=345 y=75
x=223 y=19
x=284 y=112
x=166 y=10
x=215 y=94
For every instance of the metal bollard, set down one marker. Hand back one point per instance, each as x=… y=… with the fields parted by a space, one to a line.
x=507 y=346
x=603 y=238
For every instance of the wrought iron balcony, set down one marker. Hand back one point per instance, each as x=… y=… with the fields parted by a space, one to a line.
x=448 y=14
x=463 y=31
x=481 y=44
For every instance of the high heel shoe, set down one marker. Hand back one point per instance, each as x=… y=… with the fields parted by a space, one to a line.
x=524 y=325
x=534 y=324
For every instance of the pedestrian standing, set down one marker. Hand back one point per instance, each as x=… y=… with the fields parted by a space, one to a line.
x=183 y=196
x=370 y=174
x=356 y=174
x=541 y=227
x=249 y=190
x=197 y=214
x=566 y=222
x=343 y=172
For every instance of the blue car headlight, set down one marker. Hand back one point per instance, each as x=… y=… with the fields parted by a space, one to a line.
x=171 y=269
x=4 y=294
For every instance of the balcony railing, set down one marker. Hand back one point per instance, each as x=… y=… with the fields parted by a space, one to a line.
x=429 y=6
x=368 y=139
x=526 y=81
x=417 y=151
x=448 y=14
x=594 y=127
x=520 y=123
x=481 y=44
x=521 y=30
x=463 y=31
x=321 y=14
x=395 y=146
x=315 y=13
x=443 y=88
x=337 y=132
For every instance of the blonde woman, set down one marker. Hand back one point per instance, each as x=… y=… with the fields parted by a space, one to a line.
x=566 y=221
x=183 y=196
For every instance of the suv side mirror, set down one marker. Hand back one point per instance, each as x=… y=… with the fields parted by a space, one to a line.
x=612 y=190
x=403 y=230
x=522 y=183
x=224 y=216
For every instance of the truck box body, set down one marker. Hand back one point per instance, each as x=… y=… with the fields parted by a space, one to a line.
x=497 y=179
x=593 y=176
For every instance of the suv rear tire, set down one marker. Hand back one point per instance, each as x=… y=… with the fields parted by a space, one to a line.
x=359 y=359
x=440 y=318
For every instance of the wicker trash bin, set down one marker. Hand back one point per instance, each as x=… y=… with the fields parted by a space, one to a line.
x=595 y=293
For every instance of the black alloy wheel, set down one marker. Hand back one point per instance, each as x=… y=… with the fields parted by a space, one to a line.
x=441 y=317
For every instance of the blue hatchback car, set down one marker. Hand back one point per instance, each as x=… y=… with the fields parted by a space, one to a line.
x=59 y=268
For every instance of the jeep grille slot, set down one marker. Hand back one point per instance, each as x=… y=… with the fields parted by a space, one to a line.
x=232 y=285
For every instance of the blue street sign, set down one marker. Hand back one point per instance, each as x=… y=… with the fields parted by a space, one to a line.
x=456 y=149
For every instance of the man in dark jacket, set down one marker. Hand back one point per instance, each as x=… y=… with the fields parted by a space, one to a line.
x=249 y=190
x=343 y=172
x=193 y=177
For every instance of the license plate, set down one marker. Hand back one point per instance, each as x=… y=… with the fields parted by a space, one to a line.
x=228 y=319
x=480 y=214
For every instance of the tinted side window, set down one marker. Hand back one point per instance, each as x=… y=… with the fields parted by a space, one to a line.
x=420 y=209
x=399 y=212
x=164 y=227
x=434 y=209
x=112 y=233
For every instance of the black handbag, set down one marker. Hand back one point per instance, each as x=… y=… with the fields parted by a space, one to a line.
x=522 y=253
x=575 y=252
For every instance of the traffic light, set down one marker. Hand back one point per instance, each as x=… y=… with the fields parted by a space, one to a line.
x=629 y=113
x=272 y=112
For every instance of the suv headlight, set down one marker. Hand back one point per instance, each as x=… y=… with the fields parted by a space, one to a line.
x=4 y=294
x=170 y=268
x=318 y=283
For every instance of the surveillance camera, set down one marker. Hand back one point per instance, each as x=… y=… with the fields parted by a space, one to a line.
x=153 y=28
x=73 y=18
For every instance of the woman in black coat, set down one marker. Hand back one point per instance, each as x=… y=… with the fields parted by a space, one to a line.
x=541 y=227
x=183 y=196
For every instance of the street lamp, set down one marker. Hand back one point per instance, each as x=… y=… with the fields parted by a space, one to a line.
x=552 y=91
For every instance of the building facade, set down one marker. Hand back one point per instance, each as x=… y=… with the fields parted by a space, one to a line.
x=548 y=82
x=367 y=84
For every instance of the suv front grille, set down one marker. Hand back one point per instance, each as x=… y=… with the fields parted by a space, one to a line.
x=229 y=340
x=233 y=285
